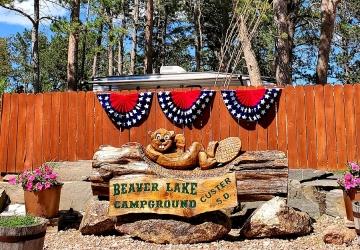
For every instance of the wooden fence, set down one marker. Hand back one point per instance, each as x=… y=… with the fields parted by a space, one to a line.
x=314 y=125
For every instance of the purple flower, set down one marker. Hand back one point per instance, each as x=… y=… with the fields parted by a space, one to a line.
x=12 y=180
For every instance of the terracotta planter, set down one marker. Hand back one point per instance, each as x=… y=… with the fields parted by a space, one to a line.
x=349 y=197
x=43 y=203
x=25 y=237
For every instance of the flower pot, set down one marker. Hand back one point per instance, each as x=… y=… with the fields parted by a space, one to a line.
x=350 y=196
x=23 y=238
x=43 y=203
x=356 y=213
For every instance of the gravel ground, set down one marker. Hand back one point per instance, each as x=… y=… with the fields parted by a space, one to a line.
x=72 y=239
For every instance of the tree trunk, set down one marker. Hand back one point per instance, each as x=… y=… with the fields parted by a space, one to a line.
x=121 y=44
x=134 y=37
x=328 y=12
x=198 y=34
x=250 y=59
x=73 y=46
x=293 y=10
x=110 y=46
x=283 y=46
x=97 y=54
x=84 y=41
x=149 y=50
x=35 y=48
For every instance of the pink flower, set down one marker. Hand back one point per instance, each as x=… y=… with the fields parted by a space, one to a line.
x=29 y=186
x=37 y=171
x=12 y=180
x=31 y=178
x=53 y=176
x=47 y=185
x=39 y=186
x=354 y=166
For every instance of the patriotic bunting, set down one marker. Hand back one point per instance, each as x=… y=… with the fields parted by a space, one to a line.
x=128 y=110
x=183 y=107
x=250 y=105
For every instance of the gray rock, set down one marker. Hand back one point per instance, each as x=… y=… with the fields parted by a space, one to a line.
x=175 y=230
x=275 y=219
x=335 y=205
x=96 y=220
x=14 y=209
x=338 y=235
x=307 y=199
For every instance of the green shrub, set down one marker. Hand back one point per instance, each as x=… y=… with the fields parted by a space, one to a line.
x=17 y=221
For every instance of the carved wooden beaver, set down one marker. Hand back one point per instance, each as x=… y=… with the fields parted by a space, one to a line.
x=168 y=150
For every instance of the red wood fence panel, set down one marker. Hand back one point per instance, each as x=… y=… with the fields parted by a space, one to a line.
x=313 y=125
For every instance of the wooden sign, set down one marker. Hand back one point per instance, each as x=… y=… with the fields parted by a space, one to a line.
x=148 y=194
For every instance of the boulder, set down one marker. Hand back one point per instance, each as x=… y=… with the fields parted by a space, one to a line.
x=95 y=220
x=4 y=200
x=338 y=235
x=164 y=229
x=275 y=219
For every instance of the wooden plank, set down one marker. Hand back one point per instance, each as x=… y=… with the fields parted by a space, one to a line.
x=341 y=146
x=193 y=197
x=21 y=134
x=233 y=124
x=55 y=126
x=177 y=128
x=320 y=127
x=151 y=119
x=72 y=125
x=4 y=138
x=301 y=127
x=357 y=118
x=11 y=158
x=38 y=128
x=330 y=127
x=350 y=122
x=98 y=127
x=11 y=148
x=215 y=114
x=81 y=126
x=29 y=140
x=310 y=127
x=272 y=128
x=46 y=133
x=224 y=120
x=64 y=122
x=133 y=132
x=291 y=126
x=281 y=122
x=143 y=127
x=11 y=154
x=110 y=131
x=89 y=124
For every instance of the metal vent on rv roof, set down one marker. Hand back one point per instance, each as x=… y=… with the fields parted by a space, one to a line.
x=171 y=70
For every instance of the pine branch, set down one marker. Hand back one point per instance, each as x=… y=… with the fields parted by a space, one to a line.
x=18 y=11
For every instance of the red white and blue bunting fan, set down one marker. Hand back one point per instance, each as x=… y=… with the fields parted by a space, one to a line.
x=249 y=104
x=183 y=107
x=127 y=110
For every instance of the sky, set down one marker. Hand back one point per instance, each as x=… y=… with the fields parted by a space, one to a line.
x=12 y=22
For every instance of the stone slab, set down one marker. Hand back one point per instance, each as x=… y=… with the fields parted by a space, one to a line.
x=335 y=205
x=307 y=174
x=73 y=171
x=73 y=194
x=14 y=209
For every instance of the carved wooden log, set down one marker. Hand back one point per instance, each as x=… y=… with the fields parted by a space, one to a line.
x=260 y=175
